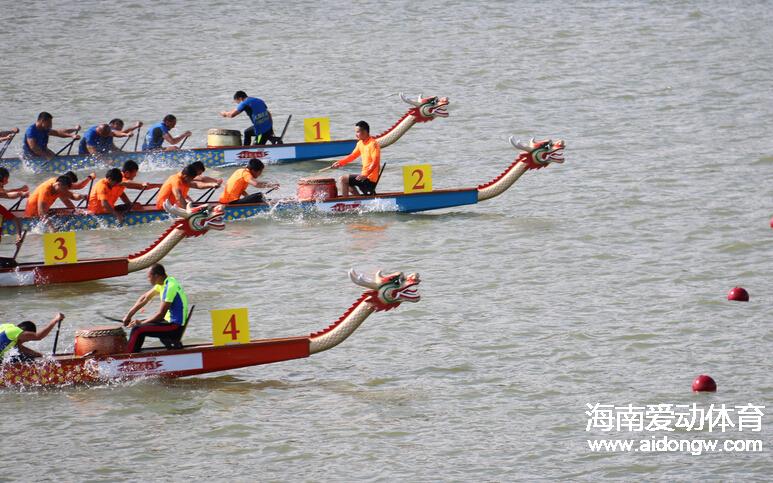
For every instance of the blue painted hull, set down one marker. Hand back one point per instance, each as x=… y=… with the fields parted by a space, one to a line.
x=387 y=202
x=211 y=157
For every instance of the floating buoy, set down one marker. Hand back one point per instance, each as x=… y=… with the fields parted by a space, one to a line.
x=739 y=294
x=704 y=383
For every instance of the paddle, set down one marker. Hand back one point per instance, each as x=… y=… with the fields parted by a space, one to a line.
x=208 y=192
x=183 y=143
x=104 y=315
x=133 y=202
x=2 y=151
x=137 y=139
x=280 y=138
x=151 y=198
x=17 y=204
x=68 y=147
x=327 y=168
x=21 y=242
x=124 y=143
x=88 y=195
x=56 y=337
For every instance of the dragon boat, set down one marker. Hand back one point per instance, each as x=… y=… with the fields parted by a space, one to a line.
x=535 y=155
x=385 y=292
x=423 y=110
x=192 y=222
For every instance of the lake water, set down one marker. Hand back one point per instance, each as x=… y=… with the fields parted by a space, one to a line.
x=602 y=280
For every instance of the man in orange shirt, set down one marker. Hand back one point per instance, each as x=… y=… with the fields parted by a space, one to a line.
x=175 y=188
x=106 y=193
x=235 y=191
x=369 y=149
x=48 y=192
x=6 y=215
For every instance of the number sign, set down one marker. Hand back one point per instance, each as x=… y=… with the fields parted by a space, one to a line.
x=417 y=178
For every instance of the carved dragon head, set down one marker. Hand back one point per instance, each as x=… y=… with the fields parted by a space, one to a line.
x=388 y=291
x=540 y=153
x=197 y=221
x=427 y=108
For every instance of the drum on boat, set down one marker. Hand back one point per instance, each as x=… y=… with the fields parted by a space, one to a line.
x=317 y=189
x=223 y=137
x=101 y=340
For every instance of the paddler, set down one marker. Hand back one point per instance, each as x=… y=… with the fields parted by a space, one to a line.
x=129 y=171
x=97 y=140
x=48 y=192
x=36 y=137
x=175 y=188
x=16 y=335
x=106 y=193
x=116 y=125
x=262 y=125
x=159 y=132
x=168 y=323
x=235 y=191
x=369 y=149
x=6 y=135
x=9 y=194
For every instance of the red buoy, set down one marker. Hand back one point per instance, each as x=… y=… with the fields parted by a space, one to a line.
x=704 y=383
x=739 y=294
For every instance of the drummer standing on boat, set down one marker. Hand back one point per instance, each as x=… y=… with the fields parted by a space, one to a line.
x=159 y=132
x=36 y=137
x=168 y=323
x=15 y=335
x=262 y=124
x=9 y=194
x=370 y=150
x=235 y=191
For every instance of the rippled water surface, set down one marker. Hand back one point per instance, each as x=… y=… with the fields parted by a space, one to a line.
x=600 y=280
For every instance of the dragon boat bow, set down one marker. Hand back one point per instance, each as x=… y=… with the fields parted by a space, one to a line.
x=534 y=155
x=423 y=110
x=385 y=292
x=193 y=222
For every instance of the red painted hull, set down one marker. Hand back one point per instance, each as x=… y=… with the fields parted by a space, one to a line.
x=83 y=271
x=198 y=359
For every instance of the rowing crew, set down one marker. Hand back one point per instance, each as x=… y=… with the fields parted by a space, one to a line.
x=98 y=139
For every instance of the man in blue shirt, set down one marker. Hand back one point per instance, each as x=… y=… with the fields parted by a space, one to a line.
x=97 y=140
x=36 y=137
x=262 y=126
x=159 y=132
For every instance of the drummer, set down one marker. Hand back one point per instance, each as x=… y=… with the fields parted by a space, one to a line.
x=176 y=187
x=235 y=191
x=15 y=335
x=159 y=132
x=168 y=323
x=36 y=137
x=6 y=215
x=262 y=124
x=370 y=150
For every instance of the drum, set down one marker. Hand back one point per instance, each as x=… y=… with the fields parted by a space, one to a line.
x=223 y=137
x=318 y=189
x=101 y=340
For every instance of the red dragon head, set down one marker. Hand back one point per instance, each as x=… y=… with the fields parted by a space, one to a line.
x=197 y=221
x=388 y=291
x=427 y=108
x=540 y=153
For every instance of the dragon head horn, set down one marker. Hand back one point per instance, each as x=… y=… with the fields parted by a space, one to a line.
x=519 y=145
x=409 y=101
x=361 y=280
x=176 y=211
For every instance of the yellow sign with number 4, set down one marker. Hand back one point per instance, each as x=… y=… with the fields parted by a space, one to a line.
x=60 y=248
x=417 y=178
x=230 y=326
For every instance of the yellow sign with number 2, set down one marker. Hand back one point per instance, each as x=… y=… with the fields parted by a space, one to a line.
x=417 y=178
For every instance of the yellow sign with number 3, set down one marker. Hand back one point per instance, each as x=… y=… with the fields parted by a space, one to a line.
x=230 y=326
x=316 y=129
x=60 y=248
x=417 y=178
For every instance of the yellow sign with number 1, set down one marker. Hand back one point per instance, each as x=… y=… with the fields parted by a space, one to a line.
x=60 y=248
x=230 y=326
x=417 y=178
x=316 y=129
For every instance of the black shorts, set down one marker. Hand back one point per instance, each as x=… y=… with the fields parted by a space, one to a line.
x=365 y=186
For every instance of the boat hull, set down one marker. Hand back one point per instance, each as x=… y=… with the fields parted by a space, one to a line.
x=387 y=202
x=188 y=361
x=38 y=274
x=211 y=157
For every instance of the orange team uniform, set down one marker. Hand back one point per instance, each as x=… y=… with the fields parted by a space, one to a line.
x=236 y=186
x=103 y=192
x=166 y=193
x=41 y=192
x=371 y=158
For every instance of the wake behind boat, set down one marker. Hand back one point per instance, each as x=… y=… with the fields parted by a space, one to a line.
x=423 y=110
x=106 y=362
x=534 y=155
